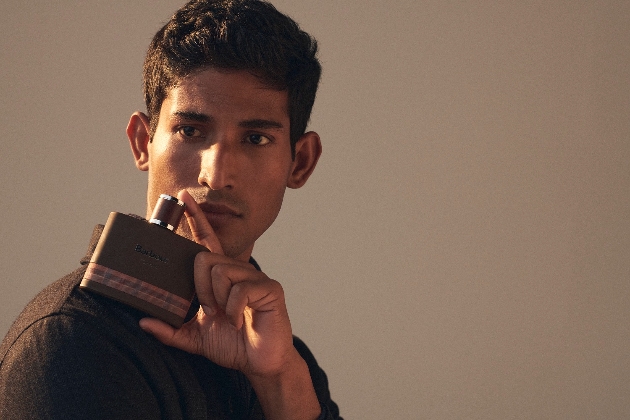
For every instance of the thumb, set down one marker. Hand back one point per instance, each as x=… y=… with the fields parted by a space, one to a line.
x=160 y=330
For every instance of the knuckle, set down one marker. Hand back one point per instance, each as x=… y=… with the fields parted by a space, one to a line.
x=218 y=271
x=203 y=258
x=274 y=284
x=239 y=288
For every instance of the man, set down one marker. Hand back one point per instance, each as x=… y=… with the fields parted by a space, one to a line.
x=229 y=86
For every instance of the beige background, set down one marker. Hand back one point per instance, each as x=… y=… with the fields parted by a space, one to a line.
x=462 y=251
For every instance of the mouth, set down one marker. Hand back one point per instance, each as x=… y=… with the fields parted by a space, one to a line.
x=218 y=214
x=217 y=208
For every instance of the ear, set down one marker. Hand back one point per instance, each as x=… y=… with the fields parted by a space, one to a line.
x=307 y=152
x=138 y=131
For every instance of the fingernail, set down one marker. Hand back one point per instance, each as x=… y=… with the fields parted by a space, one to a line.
x=143 y=324
x=208 y=310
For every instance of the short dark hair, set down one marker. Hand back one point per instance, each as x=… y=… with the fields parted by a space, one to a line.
x=246 y=35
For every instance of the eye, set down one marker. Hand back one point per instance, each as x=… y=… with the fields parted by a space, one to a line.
x=258 y=139
x=189 y=131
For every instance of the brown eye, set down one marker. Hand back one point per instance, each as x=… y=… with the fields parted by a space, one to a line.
x=189 y=131
x=258 y=139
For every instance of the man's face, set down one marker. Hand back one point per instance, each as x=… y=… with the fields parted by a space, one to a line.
x=224 y=137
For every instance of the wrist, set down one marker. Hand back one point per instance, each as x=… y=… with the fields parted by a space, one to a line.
x=288 y=393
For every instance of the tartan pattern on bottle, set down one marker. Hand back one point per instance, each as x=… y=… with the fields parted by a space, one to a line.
x=138 y=288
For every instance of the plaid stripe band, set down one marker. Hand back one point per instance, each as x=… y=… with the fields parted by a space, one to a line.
x=138 y=288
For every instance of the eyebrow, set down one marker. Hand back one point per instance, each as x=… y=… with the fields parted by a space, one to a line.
x=256 y=123
x=195 y=116
x=259 y=124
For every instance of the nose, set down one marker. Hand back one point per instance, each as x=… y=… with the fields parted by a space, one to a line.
x=217 y=167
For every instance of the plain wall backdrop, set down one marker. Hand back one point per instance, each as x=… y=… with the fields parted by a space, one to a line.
x=462 y=249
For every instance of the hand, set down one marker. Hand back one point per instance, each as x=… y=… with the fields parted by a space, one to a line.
x=243 y=321
x=242 y=324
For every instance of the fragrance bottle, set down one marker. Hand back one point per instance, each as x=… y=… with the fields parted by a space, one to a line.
x=145 y=264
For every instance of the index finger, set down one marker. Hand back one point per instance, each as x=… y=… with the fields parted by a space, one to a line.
x=199 y=227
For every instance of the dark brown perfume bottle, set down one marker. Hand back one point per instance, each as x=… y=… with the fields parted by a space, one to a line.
x=145 y=264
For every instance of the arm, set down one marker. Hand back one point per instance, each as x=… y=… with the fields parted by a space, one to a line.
x=287 y=395
x=243 y=324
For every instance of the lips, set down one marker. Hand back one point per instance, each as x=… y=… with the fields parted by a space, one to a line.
x=216 y=208
x=219 y=215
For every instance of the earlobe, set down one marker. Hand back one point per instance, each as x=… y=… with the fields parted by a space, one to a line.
x=138 y=131
x=307 y=152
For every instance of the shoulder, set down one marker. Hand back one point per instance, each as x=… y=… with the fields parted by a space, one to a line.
x=48 y=302
x=71 y=354
x=64 y=325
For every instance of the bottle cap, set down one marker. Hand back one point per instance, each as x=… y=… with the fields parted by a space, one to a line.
x=167 y=212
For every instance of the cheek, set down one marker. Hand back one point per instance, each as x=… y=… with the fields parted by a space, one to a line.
x=175 y=161
x=273 y=189
x=265 y=177
x=171 y=170
x=274 y=178
x=266 y=211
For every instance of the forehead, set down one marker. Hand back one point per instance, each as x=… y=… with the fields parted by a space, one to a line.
x=226 y=92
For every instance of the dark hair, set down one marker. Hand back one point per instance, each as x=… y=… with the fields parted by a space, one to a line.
x=246 y=35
